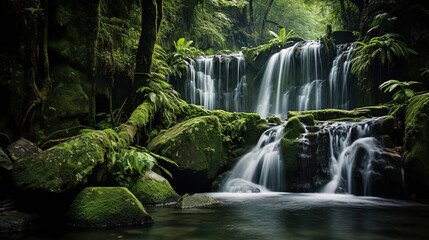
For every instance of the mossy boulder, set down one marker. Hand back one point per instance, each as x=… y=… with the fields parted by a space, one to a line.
x=153 y=189
x=196 y=146
x=196 y=200
x=106 y=207
x=336 y=114
x=274 y=119
x=416 y=145
x=306 y=119
x=66 y=167
x=293 y=128
x=289 y=151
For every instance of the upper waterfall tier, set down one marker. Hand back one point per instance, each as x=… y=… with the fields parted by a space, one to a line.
x=297 y=79
x=216 y=82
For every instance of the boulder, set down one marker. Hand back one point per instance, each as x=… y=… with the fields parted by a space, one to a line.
x=14 y=221
x=416 y=142
x=196 y=146
x=106 y=207
x=5 y=162
x=67 y=167
x=153 y=189
x=342 y=37
x=196 y=200
x=22 y=148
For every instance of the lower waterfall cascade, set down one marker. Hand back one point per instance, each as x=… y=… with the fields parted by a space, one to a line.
x=354 y=164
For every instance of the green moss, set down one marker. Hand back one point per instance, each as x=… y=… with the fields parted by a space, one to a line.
x=274 y=119
x=154 y=190
x=348 y=119
x=327 y=114
x=195 y=145
x=306 y=119
x=289 y=150
x=106 y=207
x=293 y=128
x=67 y=166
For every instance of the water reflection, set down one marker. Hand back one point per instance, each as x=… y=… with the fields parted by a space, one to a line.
x=273 y=216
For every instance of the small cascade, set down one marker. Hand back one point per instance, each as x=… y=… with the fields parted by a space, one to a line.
x=261 y=169
x=216 y=82
x=296 y=79
x=339 y=78
x=353 y=152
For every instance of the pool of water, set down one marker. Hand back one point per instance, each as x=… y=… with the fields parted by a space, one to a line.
x=271 y=216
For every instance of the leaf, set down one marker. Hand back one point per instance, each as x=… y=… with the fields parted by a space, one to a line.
x=409 y=93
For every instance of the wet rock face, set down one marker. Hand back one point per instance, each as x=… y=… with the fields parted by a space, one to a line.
x=5 y=162
x=13 y=221
x=22 y=148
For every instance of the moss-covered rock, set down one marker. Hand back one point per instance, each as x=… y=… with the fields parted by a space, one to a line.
x=330 y=114
x=68 y=166
x=416 y=145
x=196 y=146
x=274 y=119
x=289 y=151
x=153 y=189
x=106 y=207
x=196 y=200
x=306 y=119
x=293 y=128
x=22 y=148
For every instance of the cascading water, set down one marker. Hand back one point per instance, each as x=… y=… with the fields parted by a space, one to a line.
x=339 y=78
x=261 y=169
x=353 y=152
x=216 y=82
x=295 y=79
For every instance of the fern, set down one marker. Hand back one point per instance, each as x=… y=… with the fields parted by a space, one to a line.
x=404 y=92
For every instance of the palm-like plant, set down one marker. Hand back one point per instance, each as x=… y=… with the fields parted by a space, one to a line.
x=181 y=58
x=403 y=92
x=380 y=51
x=282 y=37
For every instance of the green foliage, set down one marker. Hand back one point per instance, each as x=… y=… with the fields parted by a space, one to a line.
x=382 y=23
x=107 y=122
x=165 y=99
x=380 y=51
x=129 y=164
x=403 y=90
x=159 y=69
x=181 y=58
x=230 y=3
x=282 y=37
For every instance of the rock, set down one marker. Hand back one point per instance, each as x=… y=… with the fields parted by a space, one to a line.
x=274 y=119
x=14 y=221
x=337 y=114
x=5 y=162
x=196 y=200
x=67 y=167
x=341 y=37
x=306 y=119
x=293 y=128
x=216 y=184
x=22 y=148
x=153 y=189
x=106 y=207
x=196 y=146
x=416 y=142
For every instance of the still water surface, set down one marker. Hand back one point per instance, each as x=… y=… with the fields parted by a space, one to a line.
x=272 y=216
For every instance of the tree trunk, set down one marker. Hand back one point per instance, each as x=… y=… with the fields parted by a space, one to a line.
x=270 y=4
x=252 y=21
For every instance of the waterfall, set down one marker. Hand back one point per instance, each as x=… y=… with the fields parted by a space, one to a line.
x=353 y=151
x=261 y=169
x=295 y=79
x=216 y=82
x=339 y=78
